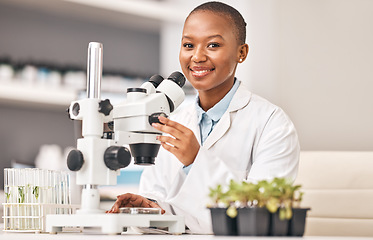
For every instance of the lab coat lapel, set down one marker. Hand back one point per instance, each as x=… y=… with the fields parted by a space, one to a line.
x=219 y=130
x=240 y=100
x=193 y=125
x=190 y=120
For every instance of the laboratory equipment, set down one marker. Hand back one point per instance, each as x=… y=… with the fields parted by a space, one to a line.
x=30 y=194
x=97 y=159
x=139 y=210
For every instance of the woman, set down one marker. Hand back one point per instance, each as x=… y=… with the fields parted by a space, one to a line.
x=229 y=133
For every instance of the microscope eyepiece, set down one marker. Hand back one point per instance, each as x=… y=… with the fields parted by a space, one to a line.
x=178 y=78
x=172 y=89
x=156 y=80
x=143 y=90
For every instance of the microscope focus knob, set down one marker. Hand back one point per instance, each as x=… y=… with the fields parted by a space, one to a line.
x=105 y=107
x=75 y=160
x=153 y=118
x=117 y=157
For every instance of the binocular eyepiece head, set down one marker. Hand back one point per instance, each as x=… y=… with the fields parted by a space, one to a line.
x=178 y=78
x=171 y=87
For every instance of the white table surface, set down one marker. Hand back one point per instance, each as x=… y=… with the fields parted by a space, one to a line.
x=97 y=236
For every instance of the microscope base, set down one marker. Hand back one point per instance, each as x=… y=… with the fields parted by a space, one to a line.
x=114 y=223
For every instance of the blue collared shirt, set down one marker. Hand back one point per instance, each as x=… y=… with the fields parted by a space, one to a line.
x=208 y=120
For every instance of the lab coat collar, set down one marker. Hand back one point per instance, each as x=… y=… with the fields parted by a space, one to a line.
x=217 y=111
x=239 y=101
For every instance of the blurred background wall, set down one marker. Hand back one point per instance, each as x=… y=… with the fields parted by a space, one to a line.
x=53 y=32
x=313 y=58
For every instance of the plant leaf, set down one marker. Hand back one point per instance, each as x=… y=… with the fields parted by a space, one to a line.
x=232 y=212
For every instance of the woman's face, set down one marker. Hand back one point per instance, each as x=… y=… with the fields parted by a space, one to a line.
x=209 y=51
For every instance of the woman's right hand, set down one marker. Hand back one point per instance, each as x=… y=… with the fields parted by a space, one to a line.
x=132 y=200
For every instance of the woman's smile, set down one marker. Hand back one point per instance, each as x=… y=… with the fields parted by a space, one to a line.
x=199 y=72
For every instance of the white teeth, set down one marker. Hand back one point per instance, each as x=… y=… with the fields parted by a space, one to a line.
x=202 y=71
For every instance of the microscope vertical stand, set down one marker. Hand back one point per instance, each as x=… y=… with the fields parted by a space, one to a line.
x=94 y=172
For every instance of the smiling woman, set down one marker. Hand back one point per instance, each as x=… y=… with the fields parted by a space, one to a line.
x=209 y=54
x=227 y=133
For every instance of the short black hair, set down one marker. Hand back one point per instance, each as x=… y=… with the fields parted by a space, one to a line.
x=226 y=10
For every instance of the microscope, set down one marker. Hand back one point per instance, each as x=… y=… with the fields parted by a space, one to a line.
x=98 y=158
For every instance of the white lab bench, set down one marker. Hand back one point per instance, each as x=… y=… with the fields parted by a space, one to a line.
x=93 y=236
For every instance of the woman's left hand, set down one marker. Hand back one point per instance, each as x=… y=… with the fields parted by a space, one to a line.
x=132 y=200
x=182 y=143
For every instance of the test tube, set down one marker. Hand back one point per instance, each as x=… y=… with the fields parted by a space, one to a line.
x=34 y=199
x=68 y=193
x=51 y=189
x=7 y=198
x=58 y=188
x=6 y=185
x=30 y=200
x=63 y=191
x=22 y=191
x=13 y=189
x=44 y=186
x=18 y=198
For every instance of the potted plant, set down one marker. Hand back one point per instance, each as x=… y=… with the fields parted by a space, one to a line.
x=287 y=217
x=258 y=209
x=253 y=216
x=280 y=205
x=298 y=221
x=222 y=223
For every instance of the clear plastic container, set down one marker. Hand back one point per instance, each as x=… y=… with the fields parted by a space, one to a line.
x=139 y=210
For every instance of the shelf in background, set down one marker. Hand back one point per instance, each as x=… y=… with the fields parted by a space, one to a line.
x=48 y=97
x=143 y=15
x=156 y=10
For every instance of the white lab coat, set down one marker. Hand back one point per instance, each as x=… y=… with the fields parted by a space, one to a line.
x=253 y=140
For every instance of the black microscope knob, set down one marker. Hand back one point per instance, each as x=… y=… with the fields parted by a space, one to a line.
x=68 y=112
x=154 y=117
x=75 y=160
x=105 y=107
x=117 y=157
